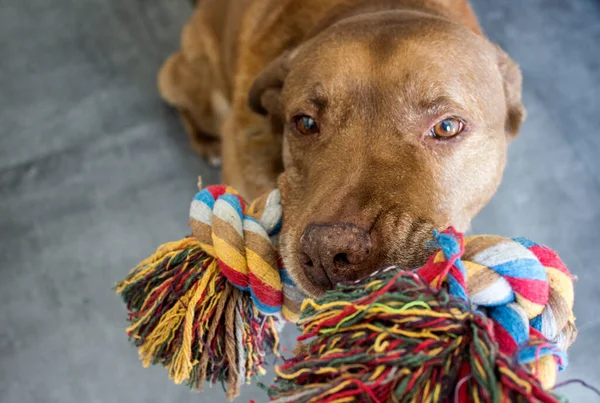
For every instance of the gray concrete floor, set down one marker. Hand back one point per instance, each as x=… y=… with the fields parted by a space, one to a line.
x=95 y=172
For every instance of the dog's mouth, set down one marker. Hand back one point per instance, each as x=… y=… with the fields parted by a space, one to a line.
x=397 y=241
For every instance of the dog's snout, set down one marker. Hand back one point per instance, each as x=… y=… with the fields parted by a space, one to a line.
x=330 y=253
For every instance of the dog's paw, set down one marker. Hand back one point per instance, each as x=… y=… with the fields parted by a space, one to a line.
x=206 y=145
x=208 y=149
x=215 y=162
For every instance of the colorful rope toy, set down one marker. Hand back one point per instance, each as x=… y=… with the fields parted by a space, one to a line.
x=486 y=319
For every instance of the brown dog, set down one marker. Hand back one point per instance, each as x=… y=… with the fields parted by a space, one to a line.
x=388 y=119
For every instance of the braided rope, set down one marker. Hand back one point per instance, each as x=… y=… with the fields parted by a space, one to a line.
x=242 y=240
x=522 y=286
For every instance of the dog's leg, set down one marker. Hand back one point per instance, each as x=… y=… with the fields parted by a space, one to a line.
x=251 y=149
x=191 y=80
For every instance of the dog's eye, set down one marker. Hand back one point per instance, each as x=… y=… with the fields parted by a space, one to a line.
x=305 y=125
x=447 y=128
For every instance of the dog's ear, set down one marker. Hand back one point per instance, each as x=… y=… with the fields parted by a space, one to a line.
x=511 y=74
x=265 y=94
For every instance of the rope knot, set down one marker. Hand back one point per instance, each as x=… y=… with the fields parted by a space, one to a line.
x=522 y=286
x=239 y=235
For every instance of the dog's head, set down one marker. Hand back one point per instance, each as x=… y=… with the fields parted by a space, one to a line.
x=395 y=124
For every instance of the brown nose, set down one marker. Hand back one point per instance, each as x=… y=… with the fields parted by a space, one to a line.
x=330 y=253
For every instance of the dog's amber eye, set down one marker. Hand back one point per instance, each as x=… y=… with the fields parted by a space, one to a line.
x=446 y=128
x=306 y=125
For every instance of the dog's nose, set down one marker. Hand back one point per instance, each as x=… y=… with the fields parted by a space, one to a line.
x=330 y=253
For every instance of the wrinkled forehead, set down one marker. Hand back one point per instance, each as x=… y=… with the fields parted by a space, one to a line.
x=410 y=57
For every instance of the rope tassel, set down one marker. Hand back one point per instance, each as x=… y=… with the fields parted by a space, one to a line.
x=208 y=307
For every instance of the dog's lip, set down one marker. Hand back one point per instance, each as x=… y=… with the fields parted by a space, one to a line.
x=376 y=220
